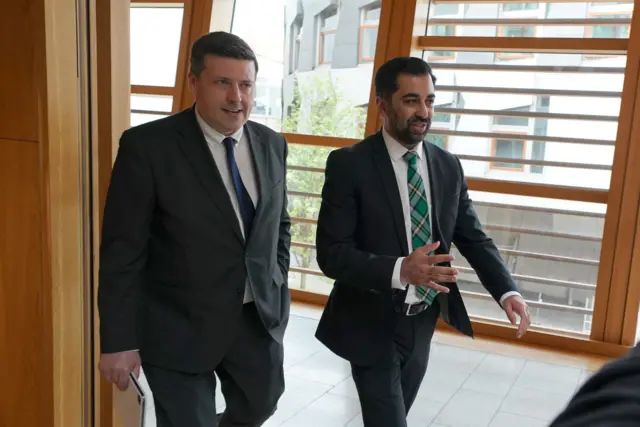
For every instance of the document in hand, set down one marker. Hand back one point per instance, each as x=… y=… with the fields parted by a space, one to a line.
x=130 y=404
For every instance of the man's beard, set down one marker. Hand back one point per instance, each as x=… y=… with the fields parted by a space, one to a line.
x=407 y=137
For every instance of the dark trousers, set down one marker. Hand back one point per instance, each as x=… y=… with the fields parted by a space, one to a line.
x=388 y=388
x=251 y=376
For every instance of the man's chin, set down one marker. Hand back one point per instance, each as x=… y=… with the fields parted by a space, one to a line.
x=418 y=137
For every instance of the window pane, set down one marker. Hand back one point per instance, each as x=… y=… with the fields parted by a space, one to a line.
x=327 y=47
x=513 y=7
x=141 y=118
x=330 y=22
x=446 y=9
x=155 y=43
x=570 y=135
x=160 y=103
x=609 y=31
x=372 y=15
x=551 y=247
x=508 y=149
x=338 y=91
x=510 y=10
x=369 y=38
x=512 y=121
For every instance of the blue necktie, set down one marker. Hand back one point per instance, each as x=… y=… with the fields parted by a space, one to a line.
x=247 y=210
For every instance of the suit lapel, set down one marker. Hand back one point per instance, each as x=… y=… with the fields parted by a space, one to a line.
x=385 y=168
x=194 y=147
x=435 y=187
x=260 y=157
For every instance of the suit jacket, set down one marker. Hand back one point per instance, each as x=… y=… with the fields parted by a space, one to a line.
x=173 y=261
x=361 y=234
x=610 y=398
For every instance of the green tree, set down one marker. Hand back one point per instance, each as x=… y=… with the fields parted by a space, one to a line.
x=317 y=108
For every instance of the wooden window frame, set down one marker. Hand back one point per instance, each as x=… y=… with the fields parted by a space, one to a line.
x=322 y=33
x=361 y=58
x=295 y=51
x=321 y=36
x=492 y=166
x=622 y=197
x=508 y=56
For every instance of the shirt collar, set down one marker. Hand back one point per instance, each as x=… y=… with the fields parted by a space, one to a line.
x=397 y=150
x=213 y=135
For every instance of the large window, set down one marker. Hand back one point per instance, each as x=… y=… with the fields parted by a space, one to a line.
x=533 y=120
x=155 y=33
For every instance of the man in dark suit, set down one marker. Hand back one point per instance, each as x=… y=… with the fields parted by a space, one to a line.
x=391 y=207
x=195 y=251
x=610 y=398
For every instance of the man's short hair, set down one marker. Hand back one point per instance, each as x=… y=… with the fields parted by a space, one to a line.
x=386 y=80
x=219 y=43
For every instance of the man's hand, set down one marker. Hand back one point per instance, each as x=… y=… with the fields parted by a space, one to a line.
x=516 y=305
x=420 y=269
x=116 y=367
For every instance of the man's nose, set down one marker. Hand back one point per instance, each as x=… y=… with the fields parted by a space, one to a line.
x=424 y=112
x=234 y=94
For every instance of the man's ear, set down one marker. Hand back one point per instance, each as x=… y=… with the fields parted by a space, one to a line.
x=191 y=81
x=382 y=105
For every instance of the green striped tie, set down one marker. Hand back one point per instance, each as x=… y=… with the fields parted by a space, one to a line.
x=420 y=224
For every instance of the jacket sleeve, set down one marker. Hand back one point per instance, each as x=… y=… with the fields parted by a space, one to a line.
x=338 y=255
x=123 y=249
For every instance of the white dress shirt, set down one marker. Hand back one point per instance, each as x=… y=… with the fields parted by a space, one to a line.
x=401 y=168
x=245 y=166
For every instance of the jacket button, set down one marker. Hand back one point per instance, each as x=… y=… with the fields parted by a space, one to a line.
x=240 y=291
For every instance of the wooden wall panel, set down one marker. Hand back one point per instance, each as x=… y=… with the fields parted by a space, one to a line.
x=110 y=98
x=42 y=254
x=18 y=112
x=25 y=357
x=61 y=167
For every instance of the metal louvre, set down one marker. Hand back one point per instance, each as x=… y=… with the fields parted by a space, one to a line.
x=477 y=295
x=529 y=91
x=153 y=112
x=524 y=254
x=598 y=46
x=527 y=68
x=500 y=22
x=496 y=227
x=518 y=136
x=529 y=114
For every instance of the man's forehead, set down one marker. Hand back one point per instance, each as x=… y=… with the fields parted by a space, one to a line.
x=422 y=85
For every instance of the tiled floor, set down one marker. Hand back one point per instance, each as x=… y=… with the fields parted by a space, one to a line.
x=463 y=387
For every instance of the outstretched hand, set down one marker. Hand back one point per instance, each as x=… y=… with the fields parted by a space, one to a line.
x=421 y=269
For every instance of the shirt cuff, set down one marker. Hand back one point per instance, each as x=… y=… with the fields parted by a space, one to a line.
x=507 y=295
x=396 y=283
